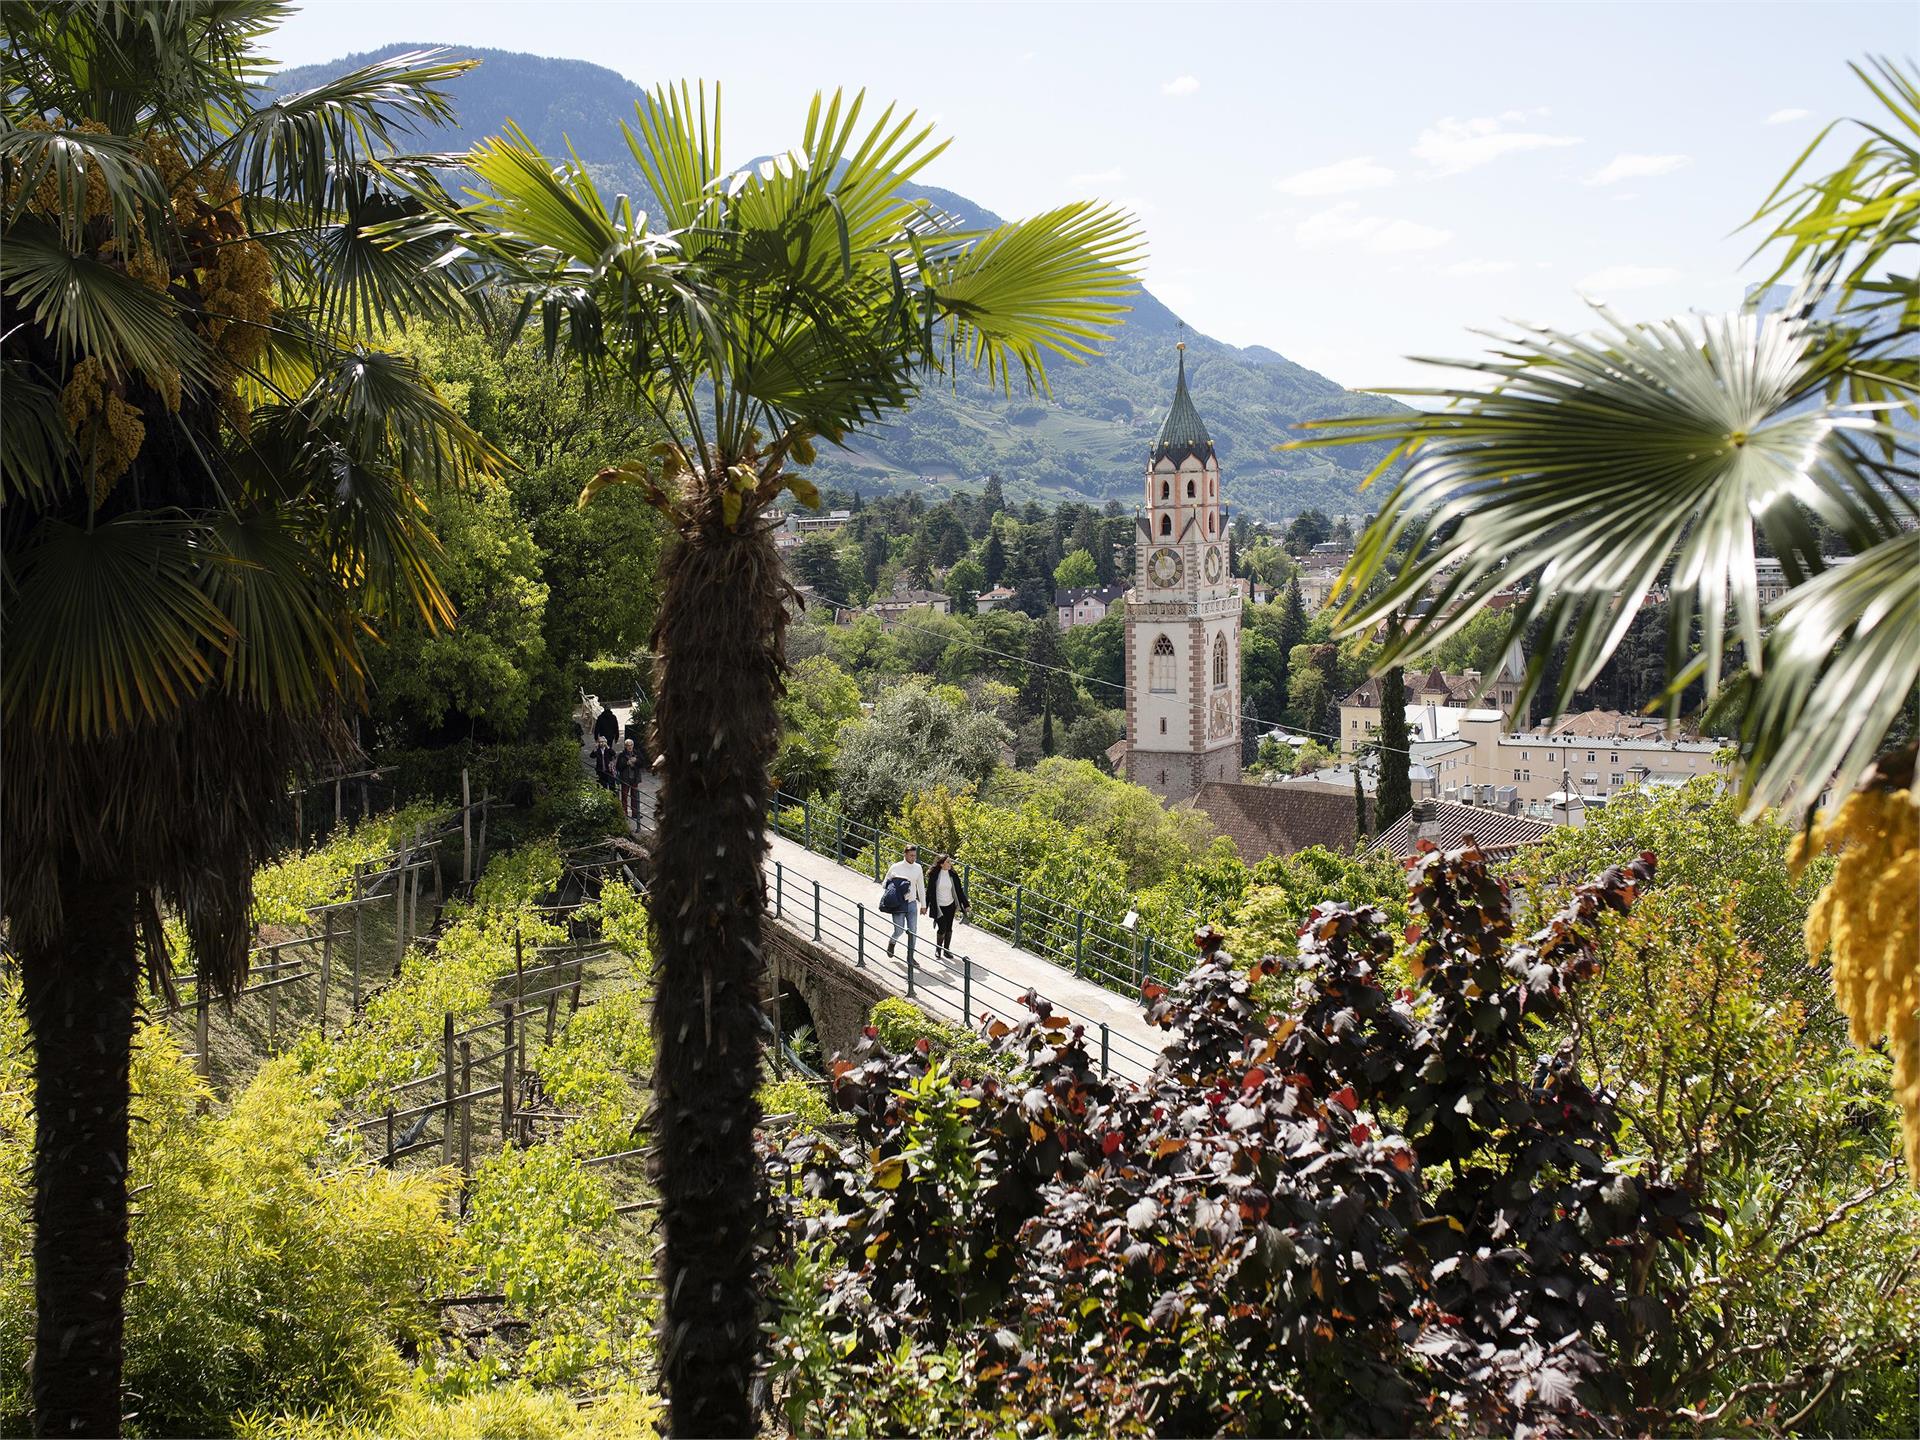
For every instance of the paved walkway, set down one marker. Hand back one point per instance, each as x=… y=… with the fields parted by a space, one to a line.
x=834 y=906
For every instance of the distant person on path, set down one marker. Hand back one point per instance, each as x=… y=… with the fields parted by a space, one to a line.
x=607 y=727
x=603 y=759
x=911 y=892
x=946 y=897
x=629 y=767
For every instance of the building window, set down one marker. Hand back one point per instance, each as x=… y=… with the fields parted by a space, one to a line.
x=1166 y=490
x=1166 y=524
x=1209 y=522
x=1516 y=775
x=1160 y=666
x=1219 y=662
x=1589 y=757
x=1163 y=724
x=1616 y=760
x=1617 y=778
x=1526 y=754
x=1190 y=489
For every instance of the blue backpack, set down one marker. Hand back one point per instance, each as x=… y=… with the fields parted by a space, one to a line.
x=893 y=895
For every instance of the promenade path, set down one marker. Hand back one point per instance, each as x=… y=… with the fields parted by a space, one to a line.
x=834 y=906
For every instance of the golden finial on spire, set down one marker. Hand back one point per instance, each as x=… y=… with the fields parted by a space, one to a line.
x=1180 y=345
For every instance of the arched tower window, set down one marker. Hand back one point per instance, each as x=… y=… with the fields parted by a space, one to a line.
x=1209 y=522
x=1219 y=662
x=1166 y=490
x=1166 y=524
x=1190 y=489
x=1160 y=666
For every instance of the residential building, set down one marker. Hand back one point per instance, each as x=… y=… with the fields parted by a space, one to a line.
x=800 y=523
x=892 y=607
x=1591 y=757
x=1182 y=617
x=998 y=598
x=1086 y=606
x=1435 y=690
x=1318 y=574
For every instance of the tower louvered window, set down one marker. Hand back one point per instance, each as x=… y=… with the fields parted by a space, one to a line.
x=1220 y=662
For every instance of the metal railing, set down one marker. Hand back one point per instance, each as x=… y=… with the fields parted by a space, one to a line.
x=953 y=987
x=1093 y=946
x=946 y=985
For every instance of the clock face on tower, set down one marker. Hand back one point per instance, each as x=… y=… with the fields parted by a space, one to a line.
x=1222 y=717
x=1214 y=565
x=1164 y=566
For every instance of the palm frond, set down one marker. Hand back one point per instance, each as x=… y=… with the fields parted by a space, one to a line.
x=1596 y=467
x=68 y=161
x=36 y=448
x=1840 y=664
x=289 y=150
x=1052 y=284
x=90 y=309
x=294 y=647
x=110 y=622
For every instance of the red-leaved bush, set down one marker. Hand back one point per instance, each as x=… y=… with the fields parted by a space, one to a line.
x=1370 y=1210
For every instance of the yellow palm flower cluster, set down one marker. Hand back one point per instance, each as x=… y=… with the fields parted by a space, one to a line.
x=107 y=430
x=1869 y=914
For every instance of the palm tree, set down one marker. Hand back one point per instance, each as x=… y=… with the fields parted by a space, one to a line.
x=210 y=495
x=759 y=313
x=1594 y=468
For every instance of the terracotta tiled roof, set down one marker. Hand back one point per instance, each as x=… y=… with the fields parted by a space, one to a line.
x=1278 y=819
x=1449 y=826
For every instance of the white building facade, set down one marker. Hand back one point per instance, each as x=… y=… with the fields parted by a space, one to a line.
x=1182 y=618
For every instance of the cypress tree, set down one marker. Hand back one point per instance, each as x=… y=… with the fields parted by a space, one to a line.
x=1359 y=805
x=1396 y=761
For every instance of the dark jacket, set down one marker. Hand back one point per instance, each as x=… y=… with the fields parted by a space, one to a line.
x=630 y=765
x=603 y=761
x=959 y=890
x=607 y=727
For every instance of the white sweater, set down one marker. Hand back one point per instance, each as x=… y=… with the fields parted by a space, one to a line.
x=916 y=879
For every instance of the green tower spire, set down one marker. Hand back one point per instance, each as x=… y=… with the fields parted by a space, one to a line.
x=1182 y=433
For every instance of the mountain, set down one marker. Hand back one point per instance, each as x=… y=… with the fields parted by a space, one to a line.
x=1088 y=442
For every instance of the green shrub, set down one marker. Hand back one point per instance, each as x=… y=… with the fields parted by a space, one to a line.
x=507 y=1412
x=273 y=1269
x=799 y=1097
x=901 y=1024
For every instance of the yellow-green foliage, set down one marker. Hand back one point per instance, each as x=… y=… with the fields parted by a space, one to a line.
x=273 y=1269
x=798 y=1097
x=588 y=1070
x=541 y=1229
x=507 y=1412
x=284 y=891
x=622 y=913
x=398 y=1037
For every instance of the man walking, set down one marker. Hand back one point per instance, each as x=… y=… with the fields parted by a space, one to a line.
x=628 y=769
x=607 y=727
x=910 y=885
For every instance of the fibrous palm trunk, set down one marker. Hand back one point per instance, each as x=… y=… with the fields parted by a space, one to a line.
x=80 y=993
x=719 y=640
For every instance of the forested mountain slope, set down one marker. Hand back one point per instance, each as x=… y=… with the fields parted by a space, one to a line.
x=1087 y=442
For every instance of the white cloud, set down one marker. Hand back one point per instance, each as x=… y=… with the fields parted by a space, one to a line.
x=1479 y=267
x=1451 y=146
x=1636 y=167
x=1113 y=176
x=1343 y=177
x=1786 y=117
x=1345 y=224
x=1624 y=277
x=1180 y=85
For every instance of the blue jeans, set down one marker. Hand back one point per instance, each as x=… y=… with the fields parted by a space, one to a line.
x=907 y=917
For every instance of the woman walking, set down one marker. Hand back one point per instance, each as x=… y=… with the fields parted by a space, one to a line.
x=946 y=896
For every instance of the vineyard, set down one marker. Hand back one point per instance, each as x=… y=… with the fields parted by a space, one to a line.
x=399 y=1186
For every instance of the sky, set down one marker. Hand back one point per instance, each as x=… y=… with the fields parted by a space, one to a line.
x=1348 y=184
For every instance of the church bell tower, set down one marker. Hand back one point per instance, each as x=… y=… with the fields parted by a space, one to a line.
x=1182 y=617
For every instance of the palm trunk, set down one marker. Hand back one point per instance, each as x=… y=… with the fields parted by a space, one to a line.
x=719 y=640
x=80 y=994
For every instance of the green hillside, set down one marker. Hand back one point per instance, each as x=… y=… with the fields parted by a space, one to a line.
x=1088 y=442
